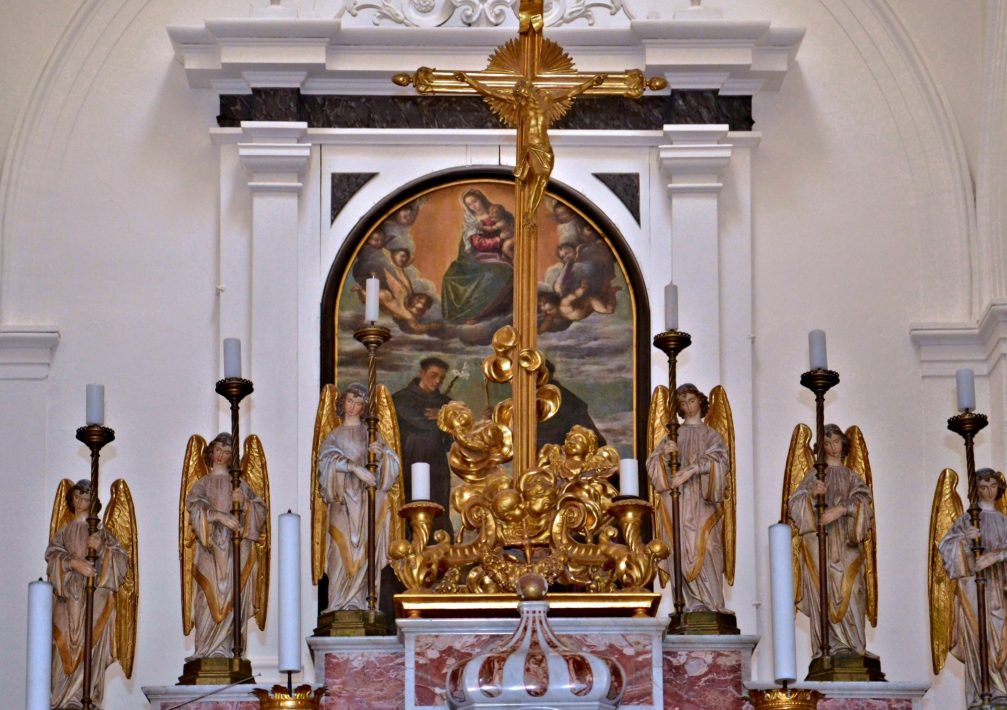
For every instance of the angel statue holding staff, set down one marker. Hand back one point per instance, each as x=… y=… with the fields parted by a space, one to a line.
x=115 y=590
x=205 y=542
x=339 y=492
x=851 y=562
x=952 y=587
x=706 y=479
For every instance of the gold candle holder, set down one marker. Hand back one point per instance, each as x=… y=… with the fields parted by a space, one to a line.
x=639 y=567
x=303 y=697
x=784 y=699
x=94 y=436
x=412 y=567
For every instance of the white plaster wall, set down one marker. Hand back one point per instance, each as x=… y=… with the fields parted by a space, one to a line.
x=125 y=265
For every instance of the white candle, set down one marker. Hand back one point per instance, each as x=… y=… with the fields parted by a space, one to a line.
x=421 y=481
x=966 y=381
x=816 y=350
x=671 y=307
x=371 y=302
x=781 y=582
x=629 y=478
x=232 y=357
x=290 y=593
x=95 y=409
x=39 y=678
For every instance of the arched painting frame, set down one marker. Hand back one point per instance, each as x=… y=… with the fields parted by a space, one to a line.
x=602 y=357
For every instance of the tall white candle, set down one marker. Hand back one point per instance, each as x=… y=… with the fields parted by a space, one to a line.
x=290 y=593
x=671 y=307
x=39 y=677
x=371 y=303
x=816 y=350
x=421 y=481
x=95 y=408
x=966 y=381
x=232 y=357
x=629 y=478
x=781 y=582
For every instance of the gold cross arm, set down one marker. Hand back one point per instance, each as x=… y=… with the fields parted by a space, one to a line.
x=630 y=84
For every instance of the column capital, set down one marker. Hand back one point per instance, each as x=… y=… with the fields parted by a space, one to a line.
x=272 y=153
x=695 y=157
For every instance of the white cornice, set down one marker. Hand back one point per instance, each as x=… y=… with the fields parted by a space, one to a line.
x=237 y=55
x=946 y=347
x=26 y=351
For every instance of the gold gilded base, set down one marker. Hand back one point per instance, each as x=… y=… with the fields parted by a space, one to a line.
x=846 y=667
x=416 y=605
x=216 y=671
x=784 y=699
x=353 y=622
x=304 y=697
x=704 y=623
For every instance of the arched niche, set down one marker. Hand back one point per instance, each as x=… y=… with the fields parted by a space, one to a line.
x=602 y=357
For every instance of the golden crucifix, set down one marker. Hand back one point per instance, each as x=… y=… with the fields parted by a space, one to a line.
x=530 y=84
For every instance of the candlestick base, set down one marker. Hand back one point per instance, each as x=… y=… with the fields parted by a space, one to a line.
x=354 y=622
x=846 y=667
x=784 y=699
x=216 y=671
x=304 y=697
x=704 y=623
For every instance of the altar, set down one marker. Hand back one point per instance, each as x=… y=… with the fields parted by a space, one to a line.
x=282 y=155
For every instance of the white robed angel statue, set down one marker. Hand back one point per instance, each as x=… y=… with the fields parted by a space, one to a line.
x=706 y=479
x=206 y=527
x=951 y=569
x=115 y=595
x=851 y=539
x=339 y=480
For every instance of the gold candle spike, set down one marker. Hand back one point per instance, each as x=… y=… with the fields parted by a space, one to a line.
x=784 y=699
x=303 y=697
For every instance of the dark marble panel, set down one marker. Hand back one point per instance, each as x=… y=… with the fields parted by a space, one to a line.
x=625 y=186
x=345 y=186
x=590 y=113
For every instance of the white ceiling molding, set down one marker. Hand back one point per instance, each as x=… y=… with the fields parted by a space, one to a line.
x=936 y=155
x=991 y=191
x=486 y=13
x=946 y=347
x=326 y=56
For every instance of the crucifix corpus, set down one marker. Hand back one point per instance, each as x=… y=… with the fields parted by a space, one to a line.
x=530 y=84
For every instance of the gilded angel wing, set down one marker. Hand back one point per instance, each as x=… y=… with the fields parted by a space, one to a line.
x=800 y=460
x=326 y=420
x=1002 y=500
x=256 y=475
x=941 y=589
x=388 y=427
x=657 y=429
x=120 y=521
x=61 y=513
x=858 y=461
x=719 y=419
x=193 y=468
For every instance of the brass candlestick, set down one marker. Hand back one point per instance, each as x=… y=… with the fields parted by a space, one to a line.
x=784 y=699
x=967 y=425
x=671 y=343
x=235 y=389
x=94 y=436
x=821 y=381
x=410 y=558
x=372 y=336
x=303 y=697
x=639 y=568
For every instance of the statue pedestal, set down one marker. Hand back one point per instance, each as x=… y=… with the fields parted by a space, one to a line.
x=239 y=697
x=841 y=695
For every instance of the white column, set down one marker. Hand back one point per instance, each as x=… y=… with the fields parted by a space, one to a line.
x=268 y=274
x=692 y=163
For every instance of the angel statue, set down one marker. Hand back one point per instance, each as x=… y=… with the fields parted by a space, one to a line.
x=115 y=590
x=952 y=587
x=706 y=481
x=851 y=564
x=205 y=546
x=339 y=484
